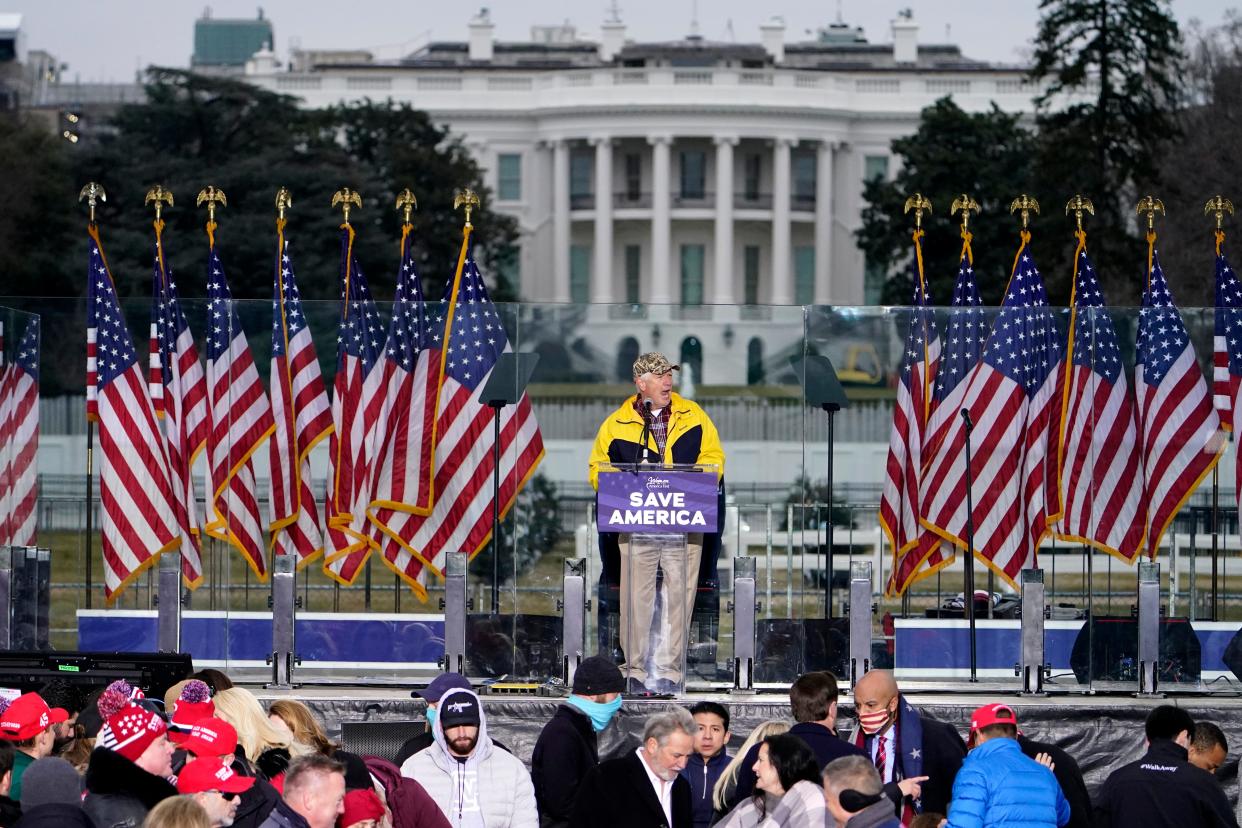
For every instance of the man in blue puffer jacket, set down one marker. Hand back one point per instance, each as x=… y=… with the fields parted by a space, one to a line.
x=997 y=785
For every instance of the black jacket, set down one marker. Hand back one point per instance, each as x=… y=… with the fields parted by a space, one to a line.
x=566 y=750
x=10 y=812
x=1162 y=789
x=825 y=744
x=1069 y=777
x=119 y=793
x=943 y=754
x=256 y=804
x=618 y=794
x=56 y=815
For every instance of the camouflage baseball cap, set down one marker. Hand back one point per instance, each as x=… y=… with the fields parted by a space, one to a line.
x=653 y=362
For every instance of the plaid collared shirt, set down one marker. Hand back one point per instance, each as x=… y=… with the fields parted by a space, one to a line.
x=659 y=425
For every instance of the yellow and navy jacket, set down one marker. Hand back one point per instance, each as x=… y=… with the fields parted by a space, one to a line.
x=692 y=438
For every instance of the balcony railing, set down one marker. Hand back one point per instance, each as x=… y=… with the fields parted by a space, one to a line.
x=631 y=199
x=752 y=201
x=581 y=201
x=699 y=199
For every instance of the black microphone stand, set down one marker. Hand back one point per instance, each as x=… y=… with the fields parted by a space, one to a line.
x=969 y=603
x=646 y=414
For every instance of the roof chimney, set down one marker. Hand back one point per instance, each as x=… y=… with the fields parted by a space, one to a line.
x=481 y=31
x=612 y=39
x=772 y=35
x=905 y=38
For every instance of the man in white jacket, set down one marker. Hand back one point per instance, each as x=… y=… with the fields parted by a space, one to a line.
x=475 y=784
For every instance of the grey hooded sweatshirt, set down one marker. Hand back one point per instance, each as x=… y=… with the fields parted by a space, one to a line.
x=491 y=789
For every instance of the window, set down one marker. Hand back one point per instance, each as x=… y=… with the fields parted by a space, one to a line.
x=581 y=179
x=627 y=352
x=873 y=282
x=509 y=177
x=580 y=274
x=804 y=275
x=692 y=274
x=755 y=375
x=693 y=174
x=752 y=166
x=633 y=273
x=875 y=166
x=509 y=270
x=804 y=180
x=633 y=176
x=750 y=274
x=691 y=360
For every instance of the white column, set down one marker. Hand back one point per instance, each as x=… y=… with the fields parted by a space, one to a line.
x=782 y=276
x=601 y=279
x=560 y=220
x=823 y=223
x=661 y=185
x=722 y=284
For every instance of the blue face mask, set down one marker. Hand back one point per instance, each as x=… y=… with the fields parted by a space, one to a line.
x=431 y=717
x=600 y=713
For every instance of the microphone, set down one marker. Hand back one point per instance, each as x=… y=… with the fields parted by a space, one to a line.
x=966 y=417
x=647 y=407
x=646 y=410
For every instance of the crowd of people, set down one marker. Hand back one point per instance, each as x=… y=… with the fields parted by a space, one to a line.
x=209 y=756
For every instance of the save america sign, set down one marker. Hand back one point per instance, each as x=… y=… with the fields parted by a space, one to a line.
x=657 y=501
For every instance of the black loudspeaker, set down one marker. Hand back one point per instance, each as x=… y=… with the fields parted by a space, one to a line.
x=789 y=647
x=518 y=646
x=1113 y=653
x=153 y=672
x=379 y=738
x=1233 y=655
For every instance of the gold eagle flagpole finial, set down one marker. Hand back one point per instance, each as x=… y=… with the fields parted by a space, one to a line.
x=92 y=194
x=466 y=198
x=346 y=197
x=1026 y=205
x=161 y=197
x=965 y=203
x=1150 y=205
x=1079 y=205
x=407 y=204
x=211 y=196
x=918 y=203
x=1218 y=205
x=283 y=202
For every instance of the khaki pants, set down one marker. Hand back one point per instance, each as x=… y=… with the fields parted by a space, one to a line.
x=639 y=561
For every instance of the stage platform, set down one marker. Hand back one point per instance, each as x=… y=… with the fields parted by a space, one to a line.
x=1101 y=730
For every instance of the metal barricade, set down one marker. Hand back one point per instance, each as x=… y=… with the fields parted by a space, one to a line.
x=1148 y=627
x=1033 y=669
x=744 y=609
x=455 y=609
x=860 y=610
x=574 y=607
x=284 y=604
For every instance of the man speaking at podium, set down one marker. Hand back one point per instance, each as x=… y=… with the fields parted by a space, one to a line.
x=675 y=430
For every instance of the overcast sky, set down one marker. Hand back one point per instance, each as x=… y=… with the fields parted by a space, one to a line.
x=109 y=40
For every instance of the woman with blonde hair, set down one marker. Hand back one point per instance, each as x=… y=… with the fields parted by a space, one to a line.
x=267 y=748
x=177 y=812
x=297 y=718
x=727 y=783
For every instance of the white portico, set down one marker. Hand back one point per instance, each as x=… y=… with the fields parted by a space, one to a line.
x=685 y=172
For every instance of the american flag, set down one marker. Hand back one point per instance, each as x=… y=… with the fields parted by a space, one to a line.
x=899 y=503
x=405 y=434
x=135 y=490
x=302 y=415
x=241 y=419
x=19 y=439
x=1101 y=481
x=461 y=516
x=966 y=333
x=1179 y=431
x=1227 y=341
x=1011 y=396
x=356 y=403
x=179 y=388
x=1228 y=348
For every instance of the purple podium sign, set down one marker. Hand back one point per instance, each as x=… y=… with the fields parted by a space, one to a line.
x=657 y=501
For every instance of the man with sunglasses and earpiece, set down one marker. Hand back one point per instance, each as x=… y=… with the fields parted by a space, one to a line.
x=214 y=784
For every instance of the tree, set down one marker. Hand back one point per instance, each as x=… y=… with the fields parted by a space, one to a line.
x=195 y=130
x=1111 y=68
x=987 y=155
x=1201 y=163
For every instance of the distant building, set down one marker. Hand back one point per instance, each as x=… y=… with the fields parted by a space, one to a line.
x=223 y=45
x=12 y=55
x=687 y=172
